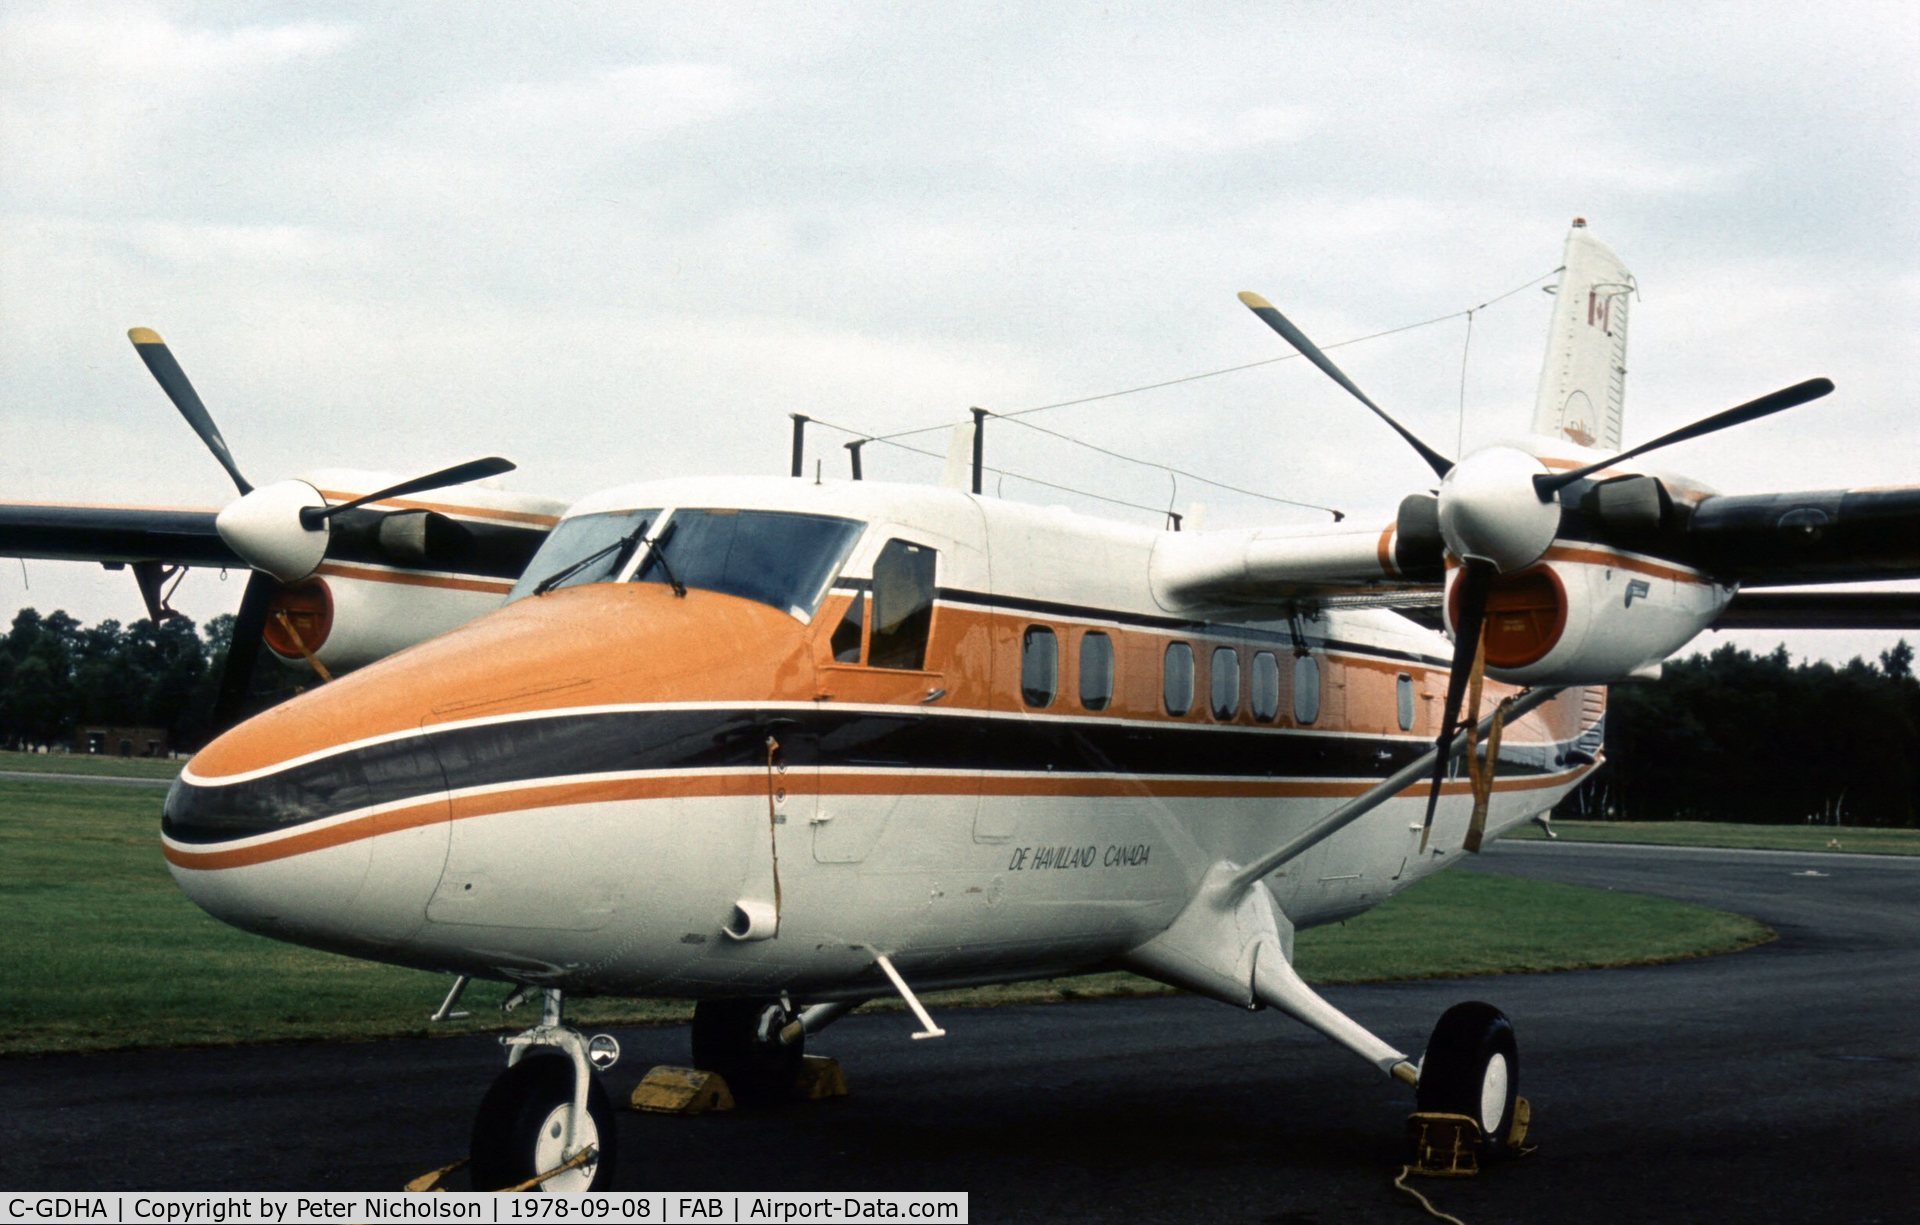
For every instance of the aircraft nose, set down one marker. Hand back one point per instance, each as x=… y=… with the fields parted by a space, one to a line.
x=285 y=827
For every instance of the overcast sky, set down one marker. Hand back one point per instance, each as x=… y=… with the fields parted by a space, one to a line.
x=613 y=242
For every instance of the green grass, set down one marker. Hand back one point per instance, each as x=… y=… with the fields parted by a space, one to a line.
x=1743 y=837
x=83 y=763
x=102 y=951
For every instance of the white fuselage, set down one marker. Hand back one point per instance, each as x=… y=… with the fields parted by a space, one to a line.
x=613 y=788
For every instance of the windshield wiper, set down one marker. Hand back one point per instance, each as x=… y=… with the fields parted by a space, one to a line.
x=568 y=571
x=659 y=554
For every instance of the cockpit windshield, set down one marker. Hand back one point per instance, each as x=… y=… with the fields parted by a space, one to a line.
x=776 y=557
x=585 y=549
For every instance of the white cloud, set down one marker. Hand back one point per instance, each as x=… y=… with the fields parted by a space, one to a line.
x=1141 y=135
x=90 y=101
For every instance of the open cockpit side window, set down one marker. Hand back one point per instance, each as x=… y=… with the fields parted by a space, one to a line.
x=849 y=637
x=903 y=588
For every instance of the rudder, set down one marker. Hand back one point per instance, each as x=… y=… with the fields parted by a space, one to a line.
x=1583 y=380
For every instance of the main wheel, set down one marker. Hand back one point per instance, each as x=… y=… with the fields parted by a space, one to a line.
x=1472 y=1067
x=740 y=1039
x=521 y=1130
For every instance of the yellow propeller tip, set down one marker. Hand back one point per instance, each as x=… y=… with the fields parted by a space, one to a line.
x=144 y=336
x=1255 y=300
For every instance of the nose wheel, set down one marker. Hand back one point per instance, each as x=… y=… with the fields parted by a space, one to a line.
x=742 y=1041
x=1472 y=1067
x=527 y=1127
x=545 y=1123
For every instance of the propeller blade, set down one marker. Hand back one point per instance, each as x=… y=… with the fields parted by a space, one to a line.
x=1546 y=484
x=1476 y=579
x=173 y=380
x=243 y=650
x=1440 y=464
x=473 y=470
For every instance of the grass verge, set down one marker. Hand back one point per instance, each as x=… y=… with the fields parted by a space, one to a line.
x=103 y=952
x=1856 y=839
x=83 y=763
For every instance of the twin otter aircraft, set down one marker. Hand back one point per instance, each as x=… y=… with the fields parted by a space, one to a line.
x=782 y=746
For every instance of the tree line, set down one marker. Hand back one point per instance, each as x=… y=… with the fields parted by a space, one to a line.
x=57 y=675
x=1734 y=736
x=1724 y=736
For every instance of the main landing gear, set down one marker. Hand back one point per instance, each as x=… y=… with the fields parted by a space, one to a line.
x=758 y=1046
x=742 y=1041
x=546 y=1122
x=1472 y=1067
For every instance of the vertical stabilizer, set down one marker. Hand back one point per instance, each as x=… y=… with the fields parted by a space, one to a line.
x=1583 y=382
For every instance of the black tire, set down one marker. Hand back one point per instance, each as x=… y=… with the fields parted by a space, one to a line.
x=740 y=1040
x=515 y=1136
x=1472 y=1067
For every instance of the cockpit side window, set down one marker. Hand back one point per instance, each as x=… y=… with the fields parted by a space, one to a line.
x=779 y=558
x=903 y=577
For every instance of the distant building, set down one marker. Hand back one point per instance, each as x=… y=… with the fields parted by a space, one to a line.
x=121 y=741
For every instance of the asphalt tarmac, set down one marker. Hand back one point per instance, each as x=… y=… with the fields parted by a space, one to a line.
x=1778 y=1084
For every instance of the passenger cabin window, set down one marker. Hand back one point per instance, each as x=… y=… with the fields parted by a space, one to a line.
x=1223 y=682
x=1403 y=697
x=584 y=549
x=1096 y=670
x=902 y=605
x=1306 y=689
x=774 y=557
x=1039 y=666
x=1177 y=678
x=1266 y=687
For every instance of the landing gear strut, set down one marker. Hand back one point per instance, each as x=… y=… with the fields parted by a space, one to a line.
x=754 y=1044
x=547 y=1111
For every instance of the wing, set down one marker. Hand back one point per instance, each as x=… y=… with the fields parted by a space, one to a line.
x=1825 y=536
x=1396 y=565
x=1821 y=610
x=113 y=534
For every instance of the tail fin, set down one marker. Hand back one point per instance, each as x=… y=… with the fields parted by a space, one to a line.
x=1583 y=381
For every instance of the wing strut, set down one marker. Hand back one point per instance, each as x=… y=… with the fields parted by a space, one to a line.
x=1381 y=792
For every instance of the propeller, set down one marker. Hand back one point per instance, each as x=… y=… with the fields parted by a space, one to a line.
x=243 y=650
x=280 y=530
x=1499 y=512
x=1547 y=484
x=473 y=470
x=1440 y=464
x=1476 y=583
x=173 y=380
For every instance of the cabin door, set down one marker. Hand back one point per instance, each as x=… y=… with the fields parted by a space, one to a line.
x=896 y=744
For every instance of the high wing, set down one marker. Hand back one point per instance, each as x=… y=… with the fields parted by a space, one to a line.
x=1753 y=541
x=1787 y=539
x=1821 y=610
x=1399 y=565
x=113 y=534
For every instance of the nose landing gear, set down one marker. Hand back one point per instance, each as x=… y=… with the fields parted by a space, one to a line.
x=547 y=1117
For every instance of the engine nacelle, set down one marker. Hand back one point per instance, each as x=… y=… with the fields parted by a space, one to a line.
x=403 y=570
x=347 y=623
x=1590 y=615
